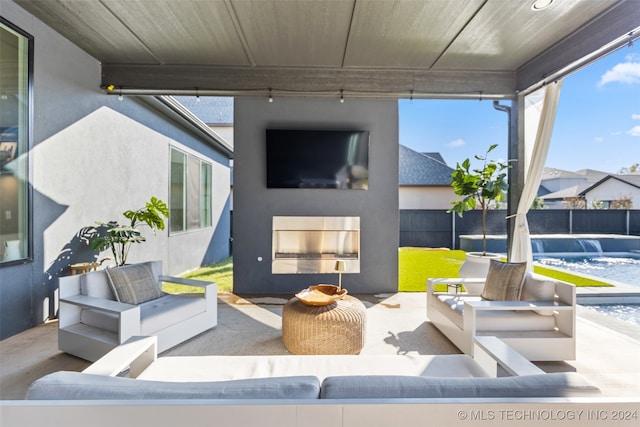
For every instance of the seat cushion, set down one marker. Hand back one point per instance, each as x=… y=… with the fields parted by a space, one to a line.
x=538 y=288
x=169 y=310
x=134 y=284
x=78 y=386
x=500 y=320
x=390 y=387
x=504 y=281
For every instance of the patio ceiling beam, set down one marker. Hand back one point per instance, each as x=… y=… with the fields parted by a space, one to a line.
x=319 y=82
x=614 y=29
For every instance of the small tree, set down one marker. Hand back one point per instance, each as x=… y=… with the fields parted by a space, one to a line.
x=624 y=202
x=480 y=187
x=120 y=237
x=575 y=202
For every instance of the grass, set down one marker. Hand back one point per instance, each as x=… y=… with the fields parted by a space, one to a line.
x=220 y=272
x=415 y=266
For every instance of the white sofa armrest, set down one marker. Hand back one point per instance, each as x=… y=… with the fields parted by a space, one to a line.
x=452 y=281
x=490 y=351
x=109 y=306
x=137 y=354
x=210 y=290
x=184 y=281
x=128 y=314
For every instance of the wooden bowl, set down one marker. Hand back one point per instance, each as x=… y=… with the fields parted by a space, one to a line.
x=321 y=294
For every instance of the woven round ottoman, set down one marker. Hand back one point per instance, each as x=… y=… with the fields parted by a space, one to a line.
x=337 y=328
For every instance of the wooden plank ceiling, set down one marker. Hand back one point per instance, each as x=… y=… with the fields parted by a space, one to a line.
x=363 y=47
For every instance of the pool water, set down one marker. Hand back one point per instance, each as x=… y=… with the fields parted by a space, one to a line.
x=626 y=312
x=623 y=270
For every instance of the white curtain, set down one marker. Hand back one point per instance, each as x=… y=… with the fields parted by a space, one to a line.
x=539 y=117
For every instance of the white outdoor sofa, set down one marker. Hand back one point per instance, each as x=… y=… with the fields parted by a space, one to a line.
x=308 y=377
x=308 y=391
x=92 y=321
x=541 y=326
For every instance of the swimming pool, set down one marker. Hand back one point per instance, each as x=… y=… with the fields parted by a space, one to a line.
x=624 y=269
x=625 y=312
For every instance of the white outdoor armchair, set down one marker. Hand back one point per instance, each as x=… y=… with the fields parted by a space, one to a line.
x=540 y=326
x=92 y=320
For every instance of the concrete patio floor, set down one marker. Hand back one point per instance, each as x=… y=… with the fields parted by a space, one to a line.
x=607 y=349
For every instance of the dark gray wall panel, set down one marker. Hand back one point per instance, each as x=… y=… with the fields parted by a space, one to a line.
x=255 y=205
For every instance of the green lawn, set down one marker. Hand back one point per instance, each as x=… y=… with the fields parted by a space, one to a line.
x=220 y=272
x=415 y=266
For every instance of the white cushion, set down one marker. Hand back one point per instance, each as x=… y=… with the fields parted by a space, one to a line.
x=538 y=288
x=96 y=284
x=163 y=312
x=155 y=315
x=499 y=320
x=100 y=319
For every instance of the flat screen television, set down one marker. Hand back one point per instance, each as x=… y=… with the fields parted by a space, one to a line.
x=327 y=159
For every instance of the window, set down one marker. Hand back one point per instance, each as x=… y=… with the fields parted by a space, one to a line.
x=15 y=97
x=190 y=193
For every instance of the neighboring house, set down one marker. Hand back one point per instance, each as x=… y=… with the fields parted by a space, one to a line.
x=87 y=157
x=614 y=192
x=424 y=181
x=559 y=186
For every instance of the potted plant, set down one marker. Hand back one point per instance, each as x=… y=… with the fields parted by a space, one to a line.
x=119 y=238
x=481 y=188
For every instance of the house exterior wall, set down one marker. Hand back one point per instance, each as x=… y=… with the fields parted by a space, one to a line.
x=612 y=189
x=426 y=197
x=255 y=205
x=93 y=157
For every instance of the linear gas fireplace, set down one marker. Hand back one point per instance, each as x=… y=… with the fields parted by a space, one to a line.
x=313 y=244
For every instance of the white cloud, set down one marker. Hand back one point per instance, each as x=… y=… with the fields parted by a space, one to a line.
x=626 y=72
x=632 y=57
x=635 y=116
x=598 y=139
x=634 y=131
x=457 y=143
x=616 y=133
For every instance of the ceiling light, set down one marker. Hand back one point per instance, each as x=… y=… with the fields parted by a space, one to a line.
x=270 y=97
x=541 y=4
x=341 y=96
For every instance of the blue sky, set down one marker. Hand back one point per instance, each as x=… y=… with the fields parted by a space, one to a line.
x=597 y=124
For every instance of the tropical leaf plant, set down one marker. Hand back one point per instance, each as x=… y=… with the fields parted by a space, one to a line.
x=119 y=238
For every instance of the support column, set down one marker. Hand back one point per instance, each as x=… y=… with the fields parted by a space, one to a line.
x=517 y=172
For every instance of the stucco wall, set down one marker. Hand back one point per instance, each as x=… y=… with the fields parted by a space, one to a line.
x=426 y=197
x=93 y=157
x=255 y=205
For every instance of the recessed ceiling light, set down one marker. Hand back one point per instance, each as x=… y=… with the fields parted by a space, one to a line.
x=541 y=4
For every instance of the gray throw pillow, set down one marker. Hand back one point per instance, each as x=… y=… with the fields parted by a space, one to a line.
x=504 y=281
x=134 y=284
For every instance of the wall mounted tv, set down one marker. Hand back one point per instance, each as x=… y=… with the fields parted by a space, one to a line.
x=326 y=159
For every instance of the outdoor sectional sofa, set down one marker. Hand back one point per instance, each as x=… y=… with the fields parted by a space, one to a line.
x=102 y=309
x=309 y=391
x=540 y=324
x=306 y=377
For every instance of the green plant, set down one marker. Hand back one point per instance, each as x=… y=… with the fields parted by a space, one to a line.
x=480 y=187
x=119 y=238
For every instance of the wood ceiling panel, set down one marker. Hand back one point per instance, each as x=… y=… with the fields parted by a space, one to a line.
x=92 y=27
x=287 y=33
x=505 y=35
x=405 y=34
x=183 y=32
